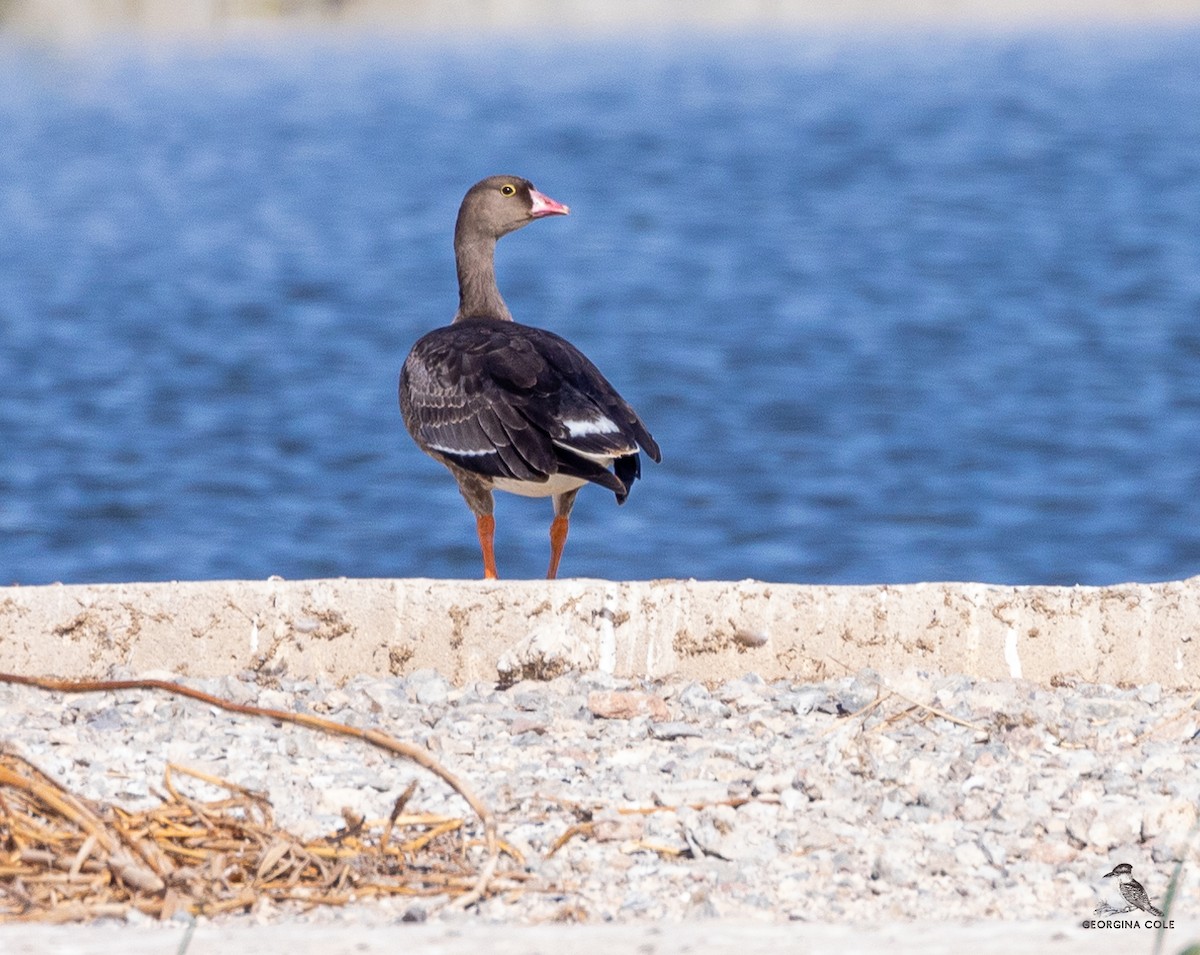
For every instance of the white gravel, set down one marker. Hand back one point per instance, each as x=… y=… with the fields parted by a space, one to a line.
x=852 y=802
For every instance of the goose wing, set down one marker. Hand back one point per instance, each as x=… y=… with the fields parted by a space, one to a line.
x=504 y=400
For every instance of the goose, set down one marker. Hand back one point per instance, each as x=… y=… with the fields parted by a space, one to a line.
x=511 y=407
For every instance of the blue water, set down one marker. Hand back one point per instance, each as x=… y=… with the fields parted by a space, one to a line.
x=896 y=309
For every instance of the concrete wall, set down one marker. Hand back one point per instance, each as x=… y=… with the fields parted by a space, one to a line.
x=479 y=630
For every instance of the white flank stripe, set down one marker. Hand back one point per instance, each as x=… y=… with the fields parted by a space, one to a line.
x=578 y=427
x=604 y=460
x=459 y=452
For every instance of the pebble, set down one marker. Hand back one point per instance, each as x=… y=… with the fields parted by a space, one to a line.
x=749 y=800
x=625 y=705
x=674 y=729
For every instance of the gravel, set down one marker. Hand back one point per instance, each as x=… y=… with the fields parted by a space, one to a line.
x=860 y=800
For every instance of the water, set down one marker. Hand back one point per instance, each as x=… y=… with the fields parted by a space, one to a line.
x=902 y=309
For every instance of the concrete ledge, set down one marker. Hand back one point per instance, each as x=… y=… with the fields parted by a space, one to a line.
x=482 y=630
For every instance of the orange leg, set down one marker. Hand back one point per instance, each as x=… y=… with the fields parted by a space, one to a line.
x=558 y=539
x=485 y=524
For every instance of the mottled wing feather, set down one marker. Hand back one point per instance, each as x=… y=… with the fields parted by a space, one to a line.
x=450 y=411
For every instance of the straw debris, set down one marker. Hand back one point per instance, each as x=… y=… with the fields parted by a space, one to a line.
x=64 y=858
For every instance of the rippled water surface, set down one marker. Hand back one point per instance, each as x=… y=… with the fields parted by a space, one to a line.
x=896 y=309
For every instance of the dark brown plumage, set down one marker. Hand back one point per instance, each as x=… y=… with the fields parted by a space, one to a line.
x=510 y=407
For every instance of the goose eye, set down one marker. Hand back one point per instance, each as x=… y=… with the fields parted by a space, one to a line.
x=508 y=189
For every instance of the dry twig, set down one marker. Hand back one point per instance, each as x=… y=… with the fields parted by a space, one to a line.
x=1189 y=707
